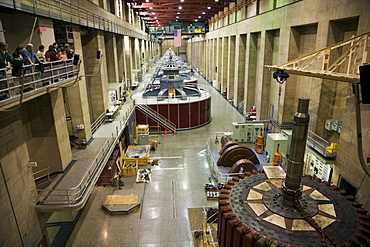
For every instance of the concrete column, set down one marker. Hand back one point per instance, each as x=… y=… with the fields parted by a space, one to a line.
x=272 y=50
x=220 y=21
x=211 y=59
x=231 y=67
x=263 y=79
x=232 y=16
x=255 y=42
x=225 y=19
x=239 y=68
x=224 y=64
x=48 y=142
x=76 y=97
x=285 y=113
x=111 y=57
x=128 y=59
x=219 y=63
x=19 y=224
x=206 y=57
x=97 y=85
x=120 y=57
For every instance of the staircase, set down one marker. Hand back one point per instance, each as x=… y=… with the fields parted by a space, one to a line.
x=161 y=120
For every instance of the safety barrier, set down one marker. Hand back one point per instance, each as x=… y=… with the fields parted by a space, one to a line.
x=74 y=198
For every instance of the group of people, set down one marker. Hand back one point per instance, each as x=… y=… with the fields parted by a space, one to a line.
x=26 y=56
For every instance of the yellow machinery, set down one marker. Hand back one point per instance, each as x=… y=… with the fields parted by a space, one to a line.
x=277 y=158
x=259 y=144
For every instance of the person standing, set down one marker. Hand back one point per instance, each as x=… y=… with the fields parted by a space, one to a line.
x=69 y=51
x=5 y=60
x=29 y=55
x=18 y=61
x=51 y=55
x=17 y=54
x=40 y=53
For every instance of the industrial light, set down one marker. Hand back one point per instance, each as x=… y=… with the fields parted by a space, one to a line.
x=155 y=17
x=199 y=17
x=181 y=0
x=203 y=13
x=216 y=1
x=180 y=7
x=150 y=7
x=196 y=19
x=209 y=7
x=177 y=17
x=178 y=13
x=147 y=1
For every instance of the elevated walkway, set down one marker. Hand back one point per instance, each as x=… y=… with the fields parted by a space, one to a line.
x=73 y=188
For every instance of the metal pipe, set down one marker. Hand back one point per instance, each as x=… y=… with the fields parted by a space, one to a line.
x=291 y=187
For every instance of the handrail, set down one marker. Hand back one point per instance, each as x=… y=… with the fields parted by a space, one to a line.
x=156 y=116
x=34 y=79
x=97 y=123
x=319 y=144
x=204 y=89
x=75 y=198
x=42 y=170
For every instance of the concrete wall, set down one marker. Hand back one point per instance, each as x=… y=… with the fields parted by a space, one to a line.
x=275 y=33
x=39 y=131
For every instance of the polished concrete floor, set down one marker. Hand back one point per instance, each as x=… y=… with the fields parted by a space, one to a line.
x=177 y=184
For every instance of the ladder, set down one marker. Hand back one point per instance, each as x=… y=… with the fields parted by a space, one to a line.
x=161 y=120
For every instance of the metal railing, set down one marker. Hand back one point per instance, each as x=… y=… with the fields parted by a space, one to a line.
x=75 y=198
x=32 y=78
x=205 y=93
x=69 y=12
x=166 y=123
x=45 y=170
x=319 y=144
x=97 y=123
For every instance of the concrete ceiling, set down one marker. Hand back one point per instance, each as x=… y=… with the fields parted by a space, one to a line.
x=160 y=13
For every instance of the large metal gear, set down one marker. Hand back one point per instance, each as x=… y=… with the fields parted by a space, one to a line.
x=250 y=214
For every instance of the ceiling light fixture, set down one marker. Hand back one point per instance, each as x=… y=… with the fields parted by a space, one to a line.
x=177 y=17
x=178 y=13
x=180 y=7
x=150 y=7
x=216 y=1
x=209 y=7
x=196 y=19
x=203 y=13
x=153 y=13
x=181 y=0
x=199 y=17
x=147 y=1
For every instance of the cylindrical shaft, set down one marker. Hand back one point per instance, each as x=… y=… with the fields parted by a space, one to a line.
x=291 y=188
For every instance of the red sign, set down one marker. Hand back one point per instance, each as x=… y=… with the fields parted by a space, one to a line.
x=42 y=29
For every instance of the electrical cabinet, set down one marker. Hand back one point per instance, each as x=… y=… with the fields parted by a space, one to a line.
x=339 y=127
x=287 y=134
x=258 y=129
x=247 y=132
x=318 y=166
x=275 y=142
x=331 y=124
